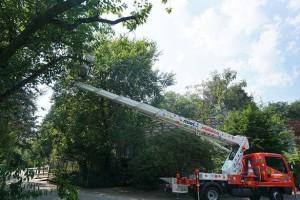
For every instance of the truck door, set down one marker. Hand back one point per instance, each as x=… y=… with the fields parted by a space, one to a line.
x=278 y=173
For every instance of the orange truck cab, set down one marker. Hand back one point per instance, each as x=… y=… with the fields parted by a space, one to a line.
x=263 y=174
x=271 y=173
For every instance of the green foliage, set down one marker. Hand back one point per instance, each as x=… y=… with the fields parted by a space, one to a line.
x=7 y=141
x=294 y=110
x=40 y=40
x=294 y=159
x=266 y=131
x=221 y=94
x=187 y=105
x=17 y=126
x=99 y=134
x=169 y=150
x=65 y=189
x=40 y=43
x=286 y=111
x=279 y=108
x=168 y=153
x=125 y=68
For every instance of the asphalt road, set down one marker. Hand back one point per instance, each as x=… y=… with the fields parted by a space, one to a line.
x=124 y=194
x=103 y=196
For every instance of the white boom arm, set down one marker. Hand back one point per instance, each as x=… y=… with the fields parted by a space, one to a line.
x=233 y=163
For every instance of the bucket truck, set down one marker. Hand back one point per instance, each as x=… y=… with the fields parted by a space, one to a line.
x=253 y=175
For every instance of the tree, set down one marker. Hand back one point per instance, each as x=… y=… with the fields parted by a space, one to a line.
x=17 y=127
x=266 y=131
x=280 y=108
x=294 y=159
x=289 y=113
x=219 y=95
x=167 y=153
x=221 y=92
x=294 y=110
x=169 y=150
x=186 y=105
x=99 y=134
x=39 y=39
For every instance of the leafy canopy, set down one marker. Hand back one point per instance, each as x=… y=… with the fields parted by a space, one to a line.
x=40 y=39
x=266 y=131
x=99 y=134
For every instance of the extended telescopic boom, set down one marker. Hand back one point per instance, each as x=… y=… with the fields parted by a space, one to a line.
x=232 y=165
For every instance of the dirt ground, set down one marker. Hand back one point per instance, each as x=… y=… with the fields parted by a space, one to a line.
x=125 y=194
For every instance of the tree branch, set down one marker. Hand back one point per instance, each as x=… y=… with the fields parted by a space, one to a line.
x=96 y=18
x=4 y=96
x=36 y=24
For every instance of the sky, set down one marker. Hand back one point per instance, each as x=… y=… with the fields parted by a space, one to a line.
x=260 y=39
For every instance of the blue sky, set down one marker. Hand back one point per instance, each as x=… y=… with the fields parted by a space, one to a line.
x=258 y=38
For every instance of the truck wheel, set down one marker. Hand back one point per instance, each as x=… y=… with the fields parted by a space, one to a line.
x=276 y=194
x=211 y=193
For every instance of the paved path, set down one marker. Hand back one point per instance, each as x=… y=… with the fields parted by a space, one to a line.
x=92 y=195
x=123 y=194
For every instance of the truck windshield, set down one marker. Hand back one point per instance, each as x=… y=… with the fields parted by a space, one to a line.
x=276 y=163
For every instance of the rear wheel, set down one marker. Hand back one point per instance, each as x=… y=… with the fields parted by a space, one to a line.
x=211 y=193
x=276 y=194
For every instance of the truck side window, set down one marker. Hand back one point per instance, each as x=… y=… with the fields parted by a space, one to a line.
x=276 y=163
x=233 y=152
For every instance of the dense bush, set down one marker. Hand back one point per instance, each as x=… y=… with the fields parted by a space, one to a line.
x=294 y=159
x=166 y=154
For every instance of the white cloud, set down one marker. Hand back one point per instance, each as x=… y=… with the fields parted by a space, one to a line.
x=238 y=65
x=278 y=79
x=294 y=4
x=236 y=34
x=293 y=47
x=243 y=17
x=294 y=21
x=263 y=54
x=178 y=7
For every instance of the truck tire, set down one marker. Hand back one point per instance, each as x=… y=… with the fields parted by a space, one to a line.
x=276 y=194
x=211 y=193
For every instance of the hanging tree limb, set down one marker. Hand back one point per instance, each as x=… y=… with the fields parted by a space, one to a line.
x=35 y=75
x=96 y=18
x=49 y=16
